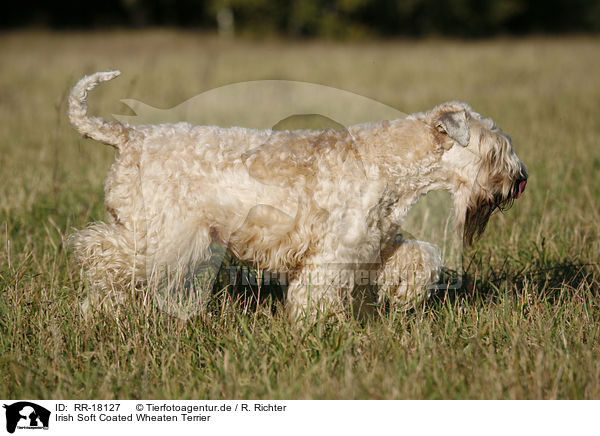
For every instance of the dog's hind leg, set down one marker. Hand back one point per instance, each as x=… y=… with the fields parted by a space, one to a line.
x=182 y=268
x=113 y=260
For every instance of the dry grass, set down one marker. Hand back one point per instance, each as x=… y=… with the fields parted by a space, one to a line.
x=528 y=327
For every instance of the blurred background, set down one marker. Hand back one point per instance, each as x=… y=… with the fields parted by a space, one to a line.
x=317 y=18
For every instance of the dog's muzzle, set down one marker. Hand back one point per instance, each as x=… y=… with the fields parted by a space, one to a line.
x=519 y=186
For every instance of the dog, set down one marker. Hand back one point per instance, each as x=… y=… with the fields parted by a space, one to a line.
x=302 y=201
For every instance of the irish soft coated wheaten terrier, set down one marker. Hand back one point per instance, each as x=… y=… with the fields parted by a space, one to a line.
x=301 y=201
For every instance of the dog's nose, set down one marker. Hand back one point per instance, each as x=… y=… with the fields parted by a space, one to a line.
x=523 y=173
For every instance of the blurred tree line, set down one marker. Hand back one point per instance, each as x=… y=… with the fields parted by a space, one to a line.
x=307 y=18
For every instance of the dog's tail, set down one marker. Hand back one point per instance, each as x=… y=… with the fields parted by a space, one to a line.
x=109 y=132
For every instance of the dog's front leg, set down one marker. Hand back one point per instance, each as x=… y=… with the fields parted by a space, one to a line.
x=318 y=290
x=405 y=278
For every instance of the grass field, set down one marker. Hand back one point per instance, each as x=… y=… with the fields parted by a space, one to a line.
x=528 y=327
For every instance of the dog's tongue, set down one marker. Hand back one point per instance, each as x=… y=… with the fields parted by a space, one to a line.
x=521 y=188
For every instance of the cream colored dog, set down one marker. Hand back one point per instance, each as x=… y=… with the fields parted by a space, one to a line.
x=301 y=201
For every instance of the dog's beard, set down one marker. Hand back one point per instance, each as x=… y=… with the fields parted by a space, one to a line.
x=478 y=213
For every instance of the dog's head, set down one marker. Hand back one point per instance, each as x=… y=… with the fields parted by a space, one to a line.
x=484 y=171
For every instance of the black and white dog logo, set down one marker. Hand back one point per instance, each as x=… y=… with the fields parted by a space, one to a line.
x=26 y=415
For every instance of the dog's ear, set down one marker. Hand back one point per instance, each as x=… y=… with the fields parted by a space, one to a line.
x=454 y=124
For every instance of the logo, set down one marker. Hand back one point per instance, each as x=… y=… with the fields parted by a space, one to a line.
x=26 y=415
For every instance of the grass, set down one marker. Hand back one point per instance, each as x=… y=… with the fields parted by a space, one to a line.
x=527 y=326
